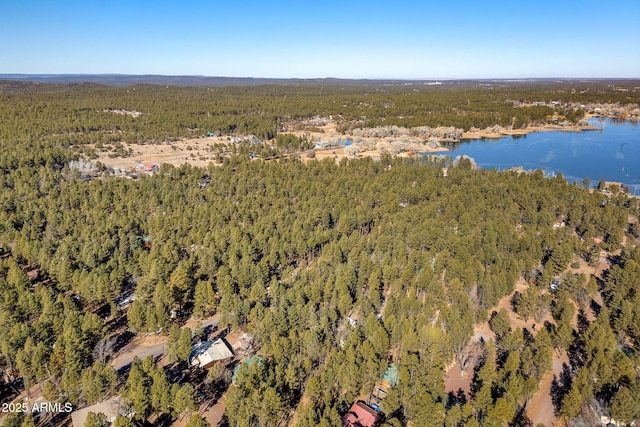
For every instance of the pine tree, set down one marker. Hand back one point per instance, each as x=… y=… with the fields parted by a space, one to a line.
x=625 y=406
x=195 y=420
x=173 y=350
x=181 y=284
x=184 y=345
x=96 y=420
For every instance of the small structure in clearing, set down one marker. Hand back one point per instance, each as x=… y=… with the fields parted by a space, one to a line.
x=388 y=380
x=149 y=168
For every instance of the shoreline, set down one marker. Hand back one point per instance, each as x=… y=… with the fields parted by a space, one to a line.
x=199 y=151
x=497 y=134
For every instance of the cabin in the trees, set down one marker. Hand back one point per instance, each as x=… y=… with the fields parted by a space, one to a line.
x=388 y=380
x=149 y=168
x=207 y=353
x=360 y=415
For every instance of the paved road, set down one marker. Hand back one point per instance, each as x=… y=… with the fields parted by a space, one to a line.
x=153 y=345
x=140 y=348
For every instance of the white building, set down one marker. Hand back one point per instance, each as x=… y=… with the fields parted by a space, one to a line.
x=205 y=354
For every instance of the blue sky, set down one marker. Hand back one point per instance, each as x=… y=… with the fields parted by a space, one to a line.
x=348 y=39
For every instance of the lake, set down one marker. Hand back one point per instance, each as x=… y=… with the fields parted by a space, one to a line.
x=612 y=153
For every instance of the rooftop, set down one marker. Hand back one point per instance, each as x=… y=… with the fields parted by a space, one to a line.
x=360 y=415
x=208 y=352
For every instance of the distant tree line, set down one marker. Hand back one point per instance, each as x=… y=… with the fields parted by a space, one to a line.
x=74 y=115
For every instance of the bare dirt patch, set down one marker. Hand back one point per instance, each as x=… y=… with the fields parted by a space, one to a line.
x=456 y=380
x=196 y=152
x=483 y=332
x=540 y=408
x=214 y=413
x=201 y=152
x=584 y=268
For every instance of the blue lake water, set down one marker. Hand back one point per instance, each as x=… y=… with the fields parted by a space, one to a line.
x=612 y=153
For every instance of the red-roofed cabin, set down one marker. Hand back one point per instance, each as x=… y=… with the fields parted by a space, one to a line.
x=360 y=415
x=149 y=167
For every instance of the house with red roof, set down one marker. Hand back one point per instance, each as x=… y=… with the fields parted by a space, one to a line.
x=149 y=168
x=360 y=415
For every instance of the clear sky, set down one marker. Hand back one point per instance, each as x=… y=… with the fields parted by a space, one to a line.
x=305 y=39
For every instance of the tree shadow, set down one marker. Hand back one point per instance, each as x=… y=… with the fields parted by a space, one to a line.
x=515 y=300
x=475 y=382
x=560 y=386
x=614 y=259
x=528 y=335
x=121 y=341
x=164 y=420
x=600 y=281
x=576 y=355
x=10 y=390
x=583 y=322
x=457 y=398
x=595 y=308
x=521 y=419
x=549 y=326
x=53 y=419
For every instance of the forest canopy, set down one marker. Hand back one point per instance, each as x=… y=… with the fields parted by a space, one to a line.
x=67 y=115
x=336 y=269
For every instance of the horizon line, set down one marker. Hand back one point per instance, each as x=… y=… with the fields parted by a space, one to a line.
x=44 y=75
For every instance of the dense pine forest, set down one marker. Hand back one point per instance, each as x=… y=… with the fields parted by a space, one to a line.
x=68 y=115
x=337 y=270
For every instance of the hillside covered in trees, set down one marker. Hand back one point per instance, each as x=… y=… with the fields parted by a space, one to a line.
x=336 y=269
